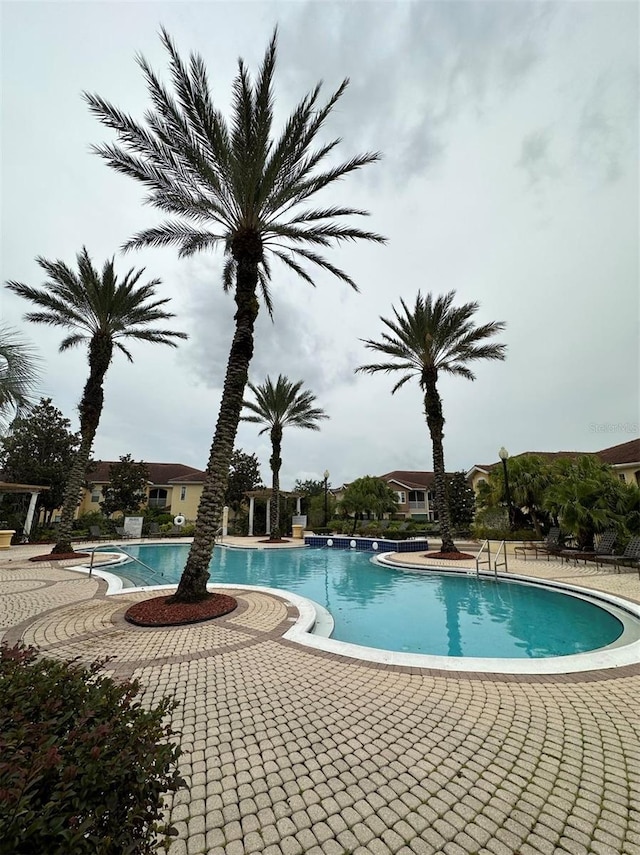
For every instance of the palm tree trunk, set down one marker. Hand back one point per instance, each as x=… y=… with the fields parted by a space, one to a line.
x=90 y=408
x=435 y=422
x=193 y=582
x=276 y=463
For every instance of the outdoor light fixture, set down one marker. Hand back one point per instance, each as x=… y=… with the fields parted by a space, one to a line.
x=503 y=454
x=326 y=482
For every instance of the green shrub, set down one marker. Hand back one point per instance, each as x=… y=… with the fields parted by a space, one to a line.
x=82 y=765
x=486 y=533
x=85 y=521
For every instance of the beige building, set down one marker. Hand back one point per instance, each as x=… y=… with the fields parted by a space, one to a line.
x=414 y=492
x=172 y=487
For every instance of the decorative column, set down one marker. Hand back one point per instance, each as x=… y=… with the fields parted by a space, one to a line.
x=32 y=508
x=251 y=504
x=298 y=506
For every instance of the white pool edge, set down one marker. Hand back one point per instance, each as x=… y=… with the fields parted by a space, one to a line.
x=618 y=655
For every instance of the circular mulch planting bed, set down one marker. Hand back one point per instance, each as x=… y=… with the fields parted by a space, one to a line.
x=274 y=540
x=60 y=556
x=449 y=556
x=159 y=611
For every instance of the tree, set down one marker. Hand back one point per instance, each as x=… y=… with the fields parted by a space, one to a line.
x=127 y=487
x=461 y=499
x=39 y=449
x=244 y=475
x=368 y=495
x=529 y=477
x=18 y=374
x=586 y=497
x=309 y=488
x=435 y=336
x=99 y=309
x=278 y=406
x=235 y=184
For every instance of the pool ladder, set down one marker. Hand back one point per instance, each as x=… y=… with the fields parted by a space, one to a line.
x=497 y=561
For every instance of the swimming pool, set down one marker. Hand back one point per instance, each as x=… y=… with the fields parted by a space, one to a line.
x=440 y=614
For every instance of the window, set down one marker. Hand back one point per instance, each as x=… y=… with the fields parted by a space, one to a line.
x=402 y=496
x=416 y=500
x=95 y=496
x=157 y=498
x=183 y=493
x=621 y=477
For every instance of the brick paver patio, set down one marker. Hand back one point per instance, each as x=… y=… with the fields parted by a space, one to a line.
x=290 y=750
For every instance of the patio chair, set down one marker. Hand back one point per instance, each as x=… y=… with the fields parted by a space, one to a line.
x=603 y=548
x=629 y=558
x=122 y=532
x=153 y=530
x=96 y=533
x=550 y=546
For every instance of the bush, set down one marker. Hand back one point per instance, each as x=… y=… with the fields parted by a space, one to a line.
x=485 y=533
x=85 y=521
x=82 y=765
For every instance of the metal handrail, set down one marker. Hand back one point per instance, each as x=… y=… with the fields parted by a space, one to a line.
x=480 y=560
x=129 y=556
x=503 y=546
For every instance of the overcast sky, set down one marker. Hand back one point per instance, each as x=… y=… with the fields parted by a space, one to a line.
x=509 y=134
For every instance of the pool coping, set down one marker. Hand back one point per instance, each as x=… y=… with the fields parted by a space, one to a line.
x=617 y=655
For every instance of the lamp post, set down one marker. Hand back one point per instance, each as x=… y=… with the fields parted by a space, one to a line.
x=504 y=456
x=326 y=487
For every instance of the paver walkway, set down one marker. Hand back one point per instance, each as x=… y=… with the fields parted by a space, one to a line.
x=291 y=751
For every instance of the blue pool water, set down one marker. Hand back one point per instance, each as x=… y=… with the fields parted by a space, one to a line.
x=439 y=614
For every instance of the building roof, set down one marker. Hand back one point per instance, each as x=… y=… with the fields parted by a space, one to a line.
x=408 y=479
x=617 y=455
x=159 y=473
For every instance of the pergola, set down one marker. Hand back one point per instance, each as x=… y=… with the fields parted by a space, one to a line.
x=266 y=494
x=34 y=489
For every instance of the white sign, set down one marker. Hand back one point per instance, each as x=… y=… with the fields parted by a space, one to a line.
x=133 y=526
x=301 y=519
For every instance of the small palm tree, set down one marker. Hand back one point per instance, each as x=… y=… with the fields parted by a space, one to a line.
x=276 y=407
x=435 y=336
x=18 y=374
x=101 y=310
x=529 y=478
x=232 y=184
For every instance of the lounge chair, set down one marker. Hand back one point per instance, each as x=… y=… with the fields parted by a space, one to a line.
x=550 y=546
x=629 y=558
x=122 y=532
x=603 y=548
x=96 y=533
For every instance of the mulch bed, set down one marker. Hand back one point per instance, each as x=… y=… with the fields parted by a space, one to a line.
x=159 y=611
x=60 y=556
x=449 y=556
x=275 y=540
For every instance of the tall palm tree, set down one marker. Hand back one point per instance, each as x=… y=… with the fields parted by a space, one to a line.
x=99 y=309
x=18 y=374
x=233 y=184
x=435 y=336
x=277 y=407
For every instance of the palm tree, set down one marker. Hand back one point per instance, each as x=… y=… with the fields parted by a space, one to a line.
x=277 y=407
x=101 y=310
x=235 y=184
x=529 y=478
x=435 y=336
x=18 y=374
